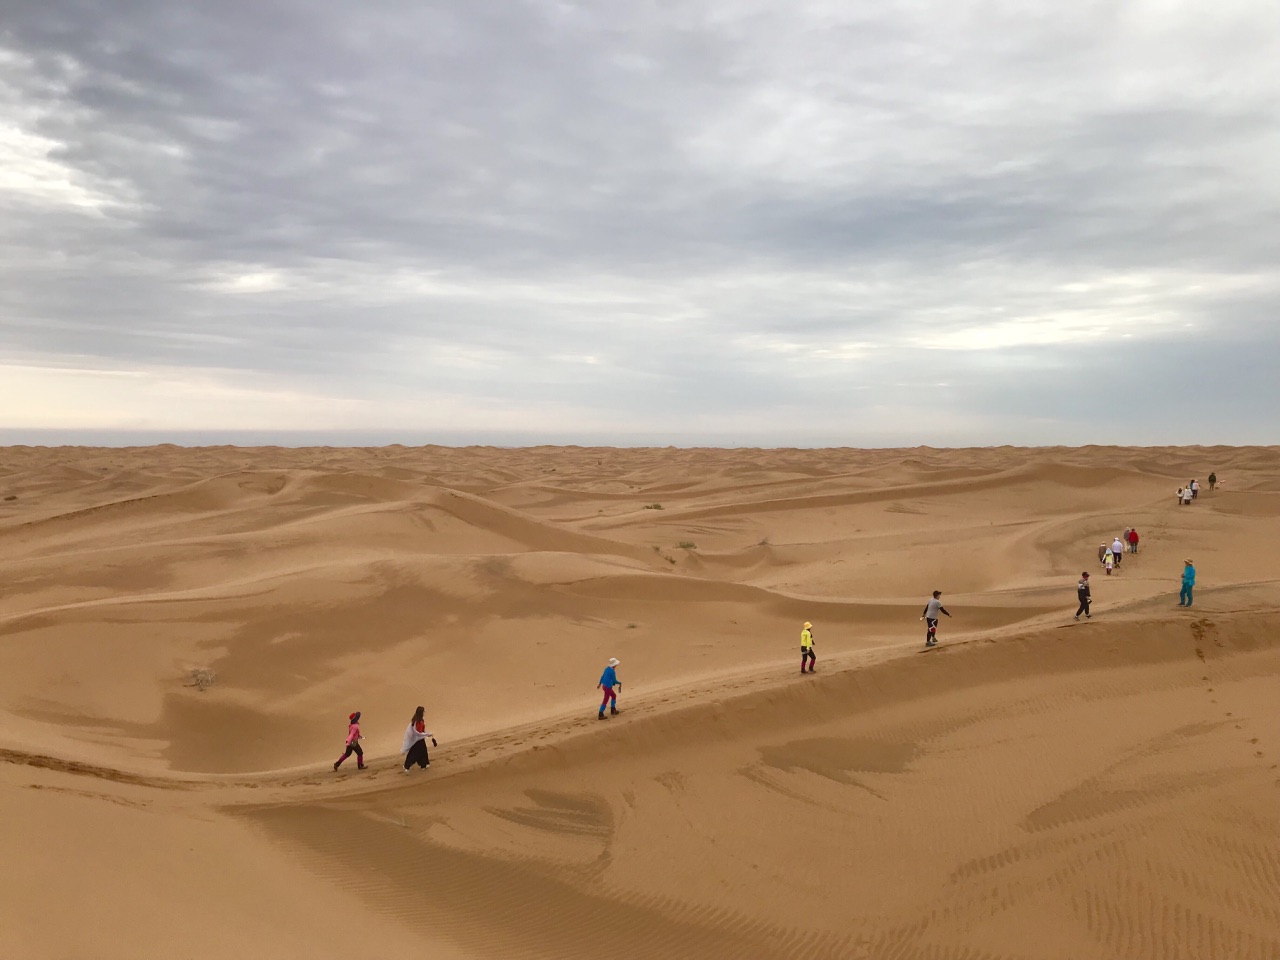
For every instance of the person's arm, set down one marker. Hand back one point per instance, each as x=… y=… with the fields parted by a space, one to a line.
x=944 y=610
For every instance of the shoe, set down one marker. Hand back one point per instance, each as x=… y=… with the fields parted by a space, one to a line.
x=601 y=717
x=362 y=766
x=404 y=769
x=335 y=767
x=427 y=764
x=613 y=711
x=1088 y=616
x=1077 y=616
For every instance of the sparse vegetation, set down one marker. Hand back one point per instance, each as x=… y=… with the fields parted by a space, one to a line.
x=687 y=545
x=631 y=626
x=12 y=496
x=202 y=678
x=653 y=506
x=764 y=542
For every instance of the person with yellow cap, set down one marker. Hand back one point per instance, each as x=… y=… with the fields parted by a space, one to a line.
x=806 y=648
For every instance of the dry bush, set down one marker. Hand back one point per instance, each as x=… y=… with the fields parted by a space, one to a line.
x=202 y=678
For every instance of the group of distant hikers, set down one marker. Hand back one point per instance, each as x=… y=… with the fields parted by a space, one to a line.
x=416 y=735
x=1192 y=490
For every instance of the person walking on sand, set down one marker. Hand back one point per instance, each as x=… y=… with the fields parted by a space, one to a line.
x=353 y=742
x=1102 y=553
x=1213 y=480
x=932 y=608
x=1109 y=562
x=415 y=742
x=1117 y=550
x=1083 y=595
x=1195 y=489
x=609 y=680
x=1188 y=583
x=807 y=656
x=1181 y=496
x=1186 y=496
x=1133 y=541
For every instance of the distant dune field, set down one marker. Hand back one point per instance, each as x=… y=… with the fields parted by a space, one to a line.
x=1032 y=788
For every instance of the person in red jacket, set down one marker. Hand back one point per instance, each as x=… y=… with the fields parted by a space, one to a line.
x=1133 y=541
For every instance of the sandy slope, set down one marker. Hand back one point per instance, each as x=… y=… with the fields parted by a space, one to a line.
x=1033 y=788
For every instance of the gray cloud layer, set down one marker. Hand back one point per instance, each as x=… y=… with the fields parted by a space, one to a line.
x=903 y=223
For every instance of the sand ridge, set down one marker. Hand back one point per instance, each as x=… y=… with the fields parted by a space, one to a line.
x=1033 y=787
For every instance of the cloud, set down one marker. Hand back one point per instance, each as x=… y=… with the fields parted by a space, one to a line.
x=708 y=219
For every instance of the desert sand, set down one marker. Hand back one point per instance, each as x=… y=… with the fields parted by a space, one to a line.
x=1033 y=787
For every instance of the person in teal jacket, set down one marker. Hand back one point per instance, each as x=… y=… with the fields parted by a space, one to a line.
x=1188 y=582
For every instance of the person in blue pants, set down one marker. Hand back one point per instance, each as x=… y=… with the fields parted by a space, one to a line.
x=1188 y=583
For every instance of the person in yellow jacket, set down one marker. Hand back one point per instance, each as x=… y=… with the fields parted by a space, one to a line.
x=806 y=648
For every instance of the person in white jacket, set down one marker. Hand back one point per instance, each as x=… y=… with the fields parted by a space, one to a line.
x=1117 y=550
x=415 y=742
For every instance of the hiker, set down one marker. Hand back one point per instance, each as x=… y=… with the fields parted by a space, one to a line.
x=353 y=743
x=1213 y=480
x=1082 y=593
x=1102 y=553
x=1117 y=550
x=931 y=610
x=415 y=742
x=1195 y=489
x=609 y=680
x=1186 y=497
x=1133 y=541
x=1188 y=583
x=806 y=648
x=1109 y=562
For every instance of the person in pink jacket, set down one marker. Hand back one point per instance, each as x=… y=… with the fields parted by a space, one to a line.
x=353 y=743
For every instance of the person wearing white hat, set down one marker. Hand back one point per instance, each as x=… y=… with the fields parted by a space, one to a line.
x=806 y=649
x=609 y=680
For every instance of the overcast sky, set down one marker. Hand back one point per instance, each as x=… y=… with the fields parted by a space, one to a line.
x=714 y=221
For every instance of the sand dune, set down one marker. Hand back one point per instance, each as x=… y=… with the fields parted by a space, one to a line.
x=1033 y=788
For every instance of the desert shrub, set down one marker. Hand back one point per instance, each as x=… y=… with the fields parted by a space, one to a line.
x=653 y=506
x=202 y=678
x=687 y=545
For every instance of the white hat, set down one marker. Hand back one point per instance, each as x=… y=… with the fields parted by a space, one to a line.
x=613 y=661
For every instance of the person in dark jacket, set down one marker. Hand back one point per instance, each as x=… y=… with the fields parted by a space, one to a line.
x=1083 y=595
x=1133 y=541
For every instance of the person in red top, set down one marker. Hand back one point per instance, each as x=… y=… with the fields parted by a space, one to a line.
x=415 y=742
x=353 y=742
x=1133 y=541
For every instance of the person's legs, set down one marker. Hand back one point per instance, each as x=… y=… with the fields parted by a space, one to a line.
x=608 y=695
x=417 y=754
x=931 y=634
x=355 y=748
x=813 y=659
x=347 y=753
x=1183 y=596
